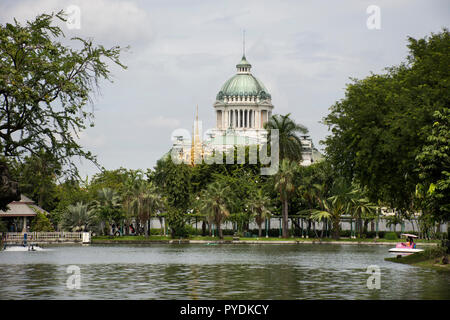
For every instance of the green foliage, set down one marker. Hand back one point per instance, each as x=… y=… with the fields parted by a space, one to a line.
x=41 y=223
x=45 y=87
x=37 y=177
x=3 y=226
x=435 y=252
x=107 y=207
x=69 y=193
x=289 y=141
x=434 y=168
x=78 y=218
x=145 y=202
x=385 y=121
x=174 y=181
x=177 y=223
x=390 y=236
x=284 y=185
x=260 y=206
x=214 y=203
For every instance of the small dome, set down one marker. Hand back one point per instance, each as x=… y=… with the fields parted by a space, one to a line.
x=243 y=84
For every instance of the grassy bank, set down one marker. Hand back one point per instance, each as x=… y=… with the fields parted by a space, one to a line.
x=153 y=238
x=430 y=258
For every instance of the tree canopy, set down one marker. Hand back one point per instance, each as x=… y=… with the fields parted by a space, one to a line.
x=385 y=121
x=45 y=88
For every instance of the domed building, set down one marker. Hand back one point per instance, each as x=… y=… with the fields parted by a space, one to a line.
x=243 y=105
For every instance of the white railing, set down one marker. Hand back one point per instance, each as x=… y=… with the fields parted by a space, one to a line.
x=46 y=236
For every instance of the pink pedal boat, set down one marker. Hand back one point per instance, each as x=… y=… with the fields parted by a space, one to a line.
x=408 y=247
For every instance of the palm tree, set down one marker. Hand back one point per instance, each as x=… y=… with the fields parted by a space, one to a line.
x=394 y=221
x=146 y=200
x=259 y=205
x=107 y=207
x=311 y=194
x=289 y=141
x=321 y=216
x=334 y=207
x=362 y=208
x=77 y=217
x=284 y=185
x=213 y=202
x=129 y=189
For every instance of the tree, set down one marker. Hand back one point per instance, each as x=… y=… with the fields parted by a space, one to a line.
x=283 y=183
x=146 y=200
x=335 y=206
x=9 y=189
x=434 y=168
x=78 y=217
x=260 y=206
x=129 y=189
x=41 y=223
x=107 y=208
x=384 y=122
x=289 y=141
x=44 y=89
x=174 y=181
x=68 y=193
x=362 y=209
x=313 y=184
x=213 y=202
x=37 y=177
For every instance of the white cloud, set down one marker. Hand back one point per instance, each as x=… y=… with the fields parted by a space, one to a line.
x=108 y=22
x=160 y=122
x=183 y=51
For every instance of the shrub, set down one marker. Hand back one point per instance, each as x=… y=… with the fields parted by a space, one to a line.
x=41 y=223
x=3 y=227
x=176 y=221
x=391 y=236
x=435 y=252
x=446 y=245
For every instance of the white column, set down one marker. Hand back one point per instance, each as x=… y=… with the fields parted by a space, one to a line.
x=239 y=118
x=258 y=119
x=246 y=118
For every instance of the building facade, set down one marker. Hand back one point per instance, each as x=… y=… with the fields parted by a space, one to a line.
x=242 y=106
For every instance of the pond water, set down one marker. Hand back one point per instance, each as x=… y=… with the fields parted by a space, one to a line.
x=178 y=271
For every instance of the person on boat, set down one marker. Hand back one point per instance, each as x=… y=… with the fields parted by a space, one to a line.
x=410 y=243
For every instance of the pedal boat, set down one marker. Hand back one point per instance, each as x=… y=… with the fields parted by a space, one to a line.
x=408 y=247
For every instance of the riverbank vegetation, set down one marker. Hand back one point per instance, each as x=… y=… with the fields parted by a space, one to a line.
x=432 y=257
x=388 y=147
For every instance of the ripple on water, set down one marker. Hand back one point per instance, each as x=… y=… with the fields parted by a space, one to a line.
x=215 y=272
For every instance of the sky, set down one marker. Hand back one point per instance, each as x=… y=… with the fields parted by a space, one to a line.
x=181 y=53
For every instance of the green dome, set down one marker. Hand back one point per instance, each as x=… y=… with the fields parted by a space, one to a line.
x=243 y=84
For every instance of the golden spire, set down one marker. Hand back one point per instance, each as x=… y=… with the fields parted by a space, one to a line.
x=196 y=145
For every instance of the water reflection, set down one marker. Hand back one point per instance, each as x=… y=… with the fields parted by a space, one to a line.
x=215 y=272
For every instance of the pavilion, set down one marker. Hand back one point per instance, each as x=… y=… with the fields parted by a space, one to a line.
x=20 y=213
